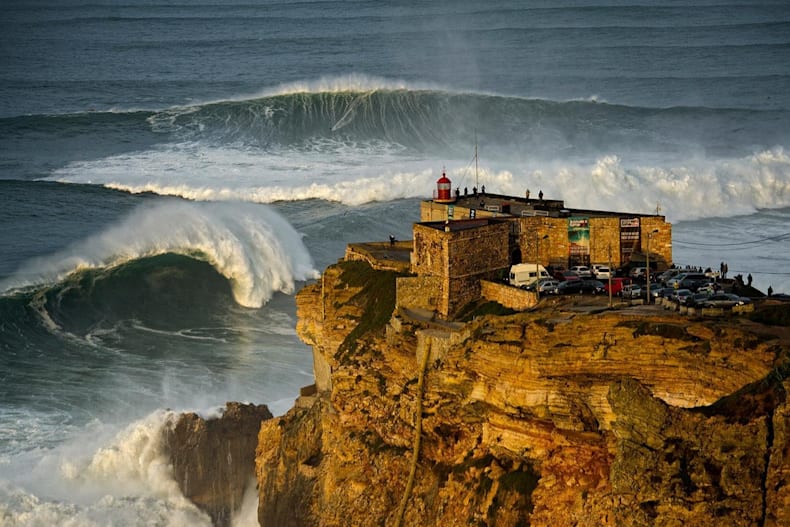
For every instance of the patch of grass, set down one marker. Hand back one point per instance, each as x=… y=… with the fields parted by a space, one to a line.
x=772 y=315
x=474 y=310
x=376 y=298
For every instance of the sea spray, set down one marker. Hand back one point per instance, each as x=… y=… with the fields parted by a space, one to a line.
x=98 y=478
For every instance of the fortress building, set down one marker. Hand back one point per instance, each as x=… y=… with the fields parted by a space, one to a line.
x=545 y=231
x=465 y=244
x=463 y=241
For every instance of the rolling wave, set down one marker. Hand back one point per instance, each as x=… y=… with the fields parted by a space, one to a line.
x=358 y=139
x=424 y=119
x=155 y=253
x=431 y=120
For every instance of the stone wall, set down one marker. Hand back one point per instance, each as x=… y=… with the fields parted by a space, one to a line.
x=551 y=250
x=660 y=242
x=383 y=256
x=429 y=256
x=459 y=254
x=508 y=296
x=473 y=255
x=420 y=292
x=548 y=239
x=605 y=241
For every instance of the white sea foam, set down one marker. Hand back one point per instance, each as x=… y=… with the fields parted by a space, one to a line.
x=99 y=479
x=683 y=189
x=251 y=245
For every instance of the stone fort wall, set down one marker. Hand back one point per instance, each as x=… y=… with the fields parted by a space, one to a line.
x=459 y=255
x=511 y=297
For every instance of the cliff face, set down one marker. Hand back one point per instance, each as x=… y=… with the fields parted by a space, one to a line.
x=213 y=458
x=555 y=417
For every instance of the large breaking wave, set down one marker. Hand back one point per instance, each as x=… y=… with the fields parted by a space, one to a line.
x=431 y=120
x=253 y=247
x=362 y=140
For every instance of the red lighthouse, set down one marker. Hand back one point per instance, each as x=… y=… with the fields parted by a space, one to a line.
x=444 y=189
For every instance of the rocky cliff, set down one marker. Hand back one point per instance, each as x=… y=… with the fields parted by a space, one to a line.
x=213 y=458
x=560 y=416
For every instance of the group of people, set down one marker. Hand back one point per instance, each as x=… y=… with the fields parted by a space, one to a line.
x=483 y=191
x=466 y=191
x=540 y=195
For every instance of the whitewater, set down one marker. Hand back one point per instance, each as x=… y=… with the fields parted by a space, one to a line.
x=171 y=174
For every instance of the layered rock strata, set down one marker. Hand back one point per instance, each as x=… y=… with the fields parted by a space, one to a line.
x=553 y=417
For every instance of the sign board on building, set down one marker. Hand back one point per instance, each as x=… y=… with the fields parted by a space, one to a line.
x=630 y=240
x=579 y=240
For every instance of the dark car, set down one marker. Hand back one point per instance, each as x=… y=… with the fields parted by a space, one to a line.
x=694 y=283
x=566 y=276
x=594 y=287
x=723 y=300
x=569 y=287
x=696 y=299
x=679 y=296
x=660 y=291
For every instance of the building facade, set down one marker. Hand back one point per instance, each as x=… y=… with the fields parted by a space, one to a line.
x=546 y=232
x=454 y=256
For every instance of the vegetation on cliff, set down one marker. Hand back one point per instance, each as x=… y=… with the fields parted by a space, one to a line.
x=375 y=298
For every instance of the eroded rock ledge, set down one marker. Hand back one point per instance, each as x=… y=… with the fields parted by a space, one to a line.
x=213 y=459
x=551 y=418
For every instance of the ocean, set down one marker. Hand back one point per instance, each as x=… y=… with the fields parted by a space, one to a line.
x=171 y=173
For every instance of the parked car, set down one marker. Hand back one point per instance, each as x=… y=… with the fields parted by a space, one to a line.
x=582 y=270
x=669 y=273
x=545 y=285
x=659 y=291
x=548 y=286
x=679 y=296
x=569 y=287
x=708 y=288
x=602 y=272
x=694 y=283
x=631 y=291
x=594 y=287
x=638 y=272
x=725 y=300
x=696 y=299
x=563 y=276
x=617 y=284
x=675 y=280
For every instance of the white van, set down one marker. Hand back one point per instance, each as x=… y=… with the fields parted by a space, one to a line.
x=525 y=274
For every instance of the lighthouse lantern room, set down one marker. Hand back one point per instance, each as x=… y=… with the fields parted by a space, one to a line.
x=444 y=188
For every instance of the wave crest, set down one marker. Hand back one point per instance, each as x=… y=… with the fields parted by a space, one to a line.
x=251 y=245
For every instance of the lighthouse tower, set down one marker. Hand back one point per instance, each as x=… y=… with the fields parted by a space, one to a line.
x=444 y=190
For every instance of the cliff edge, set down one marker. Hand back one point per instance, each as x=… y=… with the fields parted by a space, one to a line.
x=559 y=416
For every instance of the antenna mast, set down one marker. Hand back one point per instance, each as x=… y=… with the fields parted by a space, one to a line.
x=476 y=180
